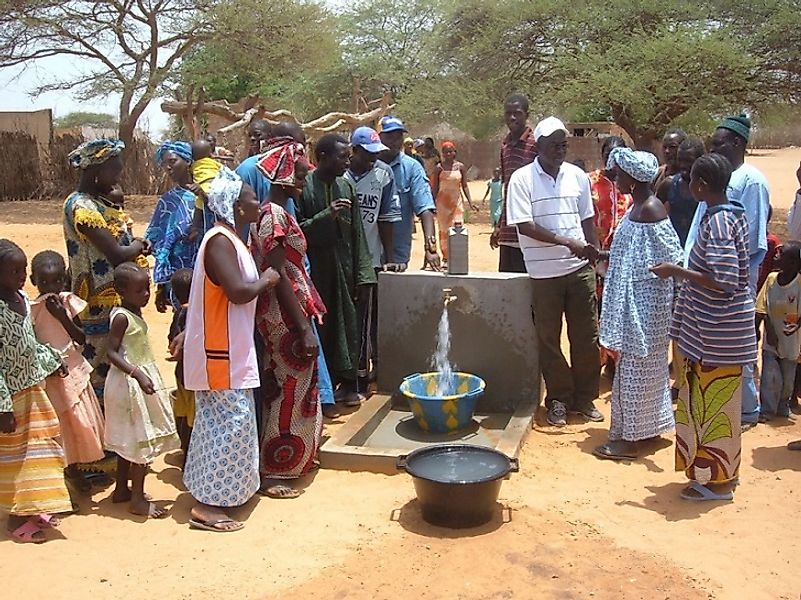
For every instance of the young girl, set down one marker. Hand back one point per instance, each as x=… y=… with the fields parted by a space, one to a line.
x=779 y=306
x=55 y=321
x=31 y=460
x=139 y=420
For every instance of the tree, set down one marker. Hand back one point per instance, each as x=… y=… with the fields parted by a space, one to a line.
x=283 y=51
x=646 y=62
x=130 y=47
x=90 y=119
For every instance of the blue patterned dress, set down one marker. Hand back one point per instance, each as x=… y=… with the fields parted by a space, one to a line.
x=635 y=320
x=169 y=233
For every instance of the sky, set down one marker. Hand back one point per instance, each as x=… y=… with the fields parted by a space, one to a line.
x=16 y=84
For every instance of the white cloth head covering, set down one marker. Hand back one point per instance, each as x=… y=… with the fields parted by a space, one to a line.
x=642 y=166
x=224 y=191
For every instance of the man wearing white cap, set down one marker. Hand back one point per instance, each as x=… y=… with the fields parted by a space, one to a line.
x=550 y=203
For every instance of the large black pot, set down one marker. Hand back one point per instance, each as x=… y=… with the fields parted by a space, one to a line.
x=457 y=484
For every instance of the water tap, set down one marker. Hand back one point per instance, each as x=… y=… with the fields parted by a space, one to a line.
x=447 y=297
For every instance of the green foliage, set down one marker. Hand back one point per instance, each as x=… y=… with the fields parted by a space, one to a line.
x=90 y=119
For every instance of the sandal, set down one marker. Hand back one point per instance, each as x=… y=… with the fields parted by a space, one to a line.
x=280 y=492
x=705 y=494
x=215 y=525
x=45 y=521
x=606 y=452
x=794 y=445
x=24 y=534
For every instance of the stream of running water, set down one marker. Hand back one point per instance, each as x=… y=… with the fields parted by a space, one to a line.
x=440 y=362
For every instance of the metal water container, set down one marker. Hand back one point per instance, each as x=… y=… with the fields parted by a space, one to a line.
x=458 y=254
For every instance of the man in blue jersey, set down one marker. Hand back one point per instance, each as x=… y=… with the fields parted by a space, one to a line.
x=414 y=192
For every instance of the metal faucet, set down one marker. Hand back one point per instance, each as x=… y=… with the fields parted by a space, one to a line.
x=447 y=297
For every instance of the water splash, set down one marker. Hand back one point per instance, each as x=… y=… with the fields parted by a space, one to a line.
x=446 y=380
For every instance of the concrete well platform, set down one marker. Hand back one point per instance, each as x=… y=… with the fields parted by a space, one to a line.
x=492 y=336
x=378 y=433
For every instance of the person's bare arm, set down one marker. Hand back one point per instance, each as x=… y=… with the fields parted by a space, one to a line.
x=385 y=232
x=430 y=233
x=663 y=192
x=110 y=247
x=289 y=302
x=435 y=182
x=114 y=342
x=73 y=327
x=665 y=270
x=536 y=232
x=219 y=258
x=466 y=188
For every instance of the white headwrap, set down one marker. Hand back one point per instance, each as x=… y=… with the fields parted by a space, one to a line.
x=643 y=166
x=224 y=191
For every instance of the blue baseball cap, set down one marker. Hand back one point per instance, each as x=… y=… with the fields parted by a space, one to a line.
x=392 y=123
x=367 y=138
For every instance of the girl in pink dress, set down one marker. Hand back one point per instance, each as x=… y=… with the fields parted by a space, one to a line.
x=55 y=322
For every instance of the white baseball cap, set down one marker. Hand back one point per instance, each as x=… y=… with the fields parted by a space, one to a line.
x=548 y=126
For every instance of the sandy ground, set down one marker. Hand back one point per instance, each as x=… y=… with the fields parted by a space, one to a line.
x=571 y=526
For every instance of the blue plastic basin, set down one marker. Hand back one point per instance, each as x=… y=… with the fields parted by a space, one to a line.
x=442 y=414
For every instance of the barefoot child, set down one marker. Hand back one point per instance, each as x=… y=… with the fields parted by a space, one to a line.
x=55 y=321
x=139 y=421
x=778 y=305
x=184 y=400
x=31 y=460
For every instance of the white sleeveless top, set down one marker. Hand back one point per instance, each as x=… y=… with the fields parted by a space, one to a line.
x=219 y=352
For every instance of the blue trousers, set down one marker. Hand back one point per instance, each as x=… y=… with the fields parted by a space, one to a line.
x=776 y=384
x=323 y=376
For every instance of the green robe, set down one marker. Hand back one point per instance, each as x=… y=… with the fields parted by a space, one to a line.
x=340 y=261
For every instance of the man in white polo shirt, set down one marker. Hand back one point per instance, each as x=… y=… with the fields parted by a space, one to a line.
x=550 y=203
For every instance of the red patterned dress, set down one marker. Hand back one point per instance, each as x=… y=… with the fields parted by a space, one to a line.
x=292 y=420
x=610 y=208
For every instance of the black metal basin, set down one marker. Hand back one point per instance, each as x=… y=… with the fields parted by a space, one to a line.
x=457 y=484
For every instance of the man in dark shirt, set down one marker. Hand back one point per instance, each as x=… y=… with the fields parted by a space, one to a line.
x=517 y=150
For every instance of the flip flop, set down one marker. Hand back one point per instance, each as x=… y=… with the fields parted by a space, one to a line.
x=280 y=492
x=213 y=525
x=44 y=521
x=605 y=452
x=25 y=532
x=706 y=495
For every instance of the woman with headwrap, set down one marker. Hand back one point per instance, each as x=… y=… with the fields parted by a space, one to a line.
x=636 y=309
x=170 y=225
x=448 y=185
x=292 y=420
x=222 y=465
x=98 y=236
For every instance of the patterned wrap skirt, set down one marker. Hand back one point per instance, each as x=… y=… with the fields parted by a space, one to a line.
x=31 y=460
x=708 y=443
x=222 y=465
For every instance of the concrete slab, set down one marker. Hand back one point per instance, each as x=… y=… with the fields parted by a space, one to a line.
x=379 y=432
x=492 y=332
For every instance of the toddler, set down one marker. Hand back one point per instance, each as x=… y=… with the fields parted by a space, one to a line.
x=139 y=420
x=204 y=169
x=55 y=322
x=32 y=483
x=183 y=399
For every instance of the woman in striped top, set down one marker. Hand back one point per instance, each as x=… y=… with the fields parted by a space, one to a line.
x=713 y=325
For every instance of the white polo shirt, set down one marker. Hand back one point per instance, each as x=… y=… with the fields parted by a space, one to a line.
x=559 y=206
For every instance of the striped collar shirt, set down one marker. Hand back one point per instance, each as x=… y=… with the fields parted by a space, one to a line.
x=558 y=205
x=514 y=154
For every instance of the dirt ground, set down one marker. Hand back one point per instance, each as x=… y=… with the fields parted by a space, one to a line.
x=570 y=526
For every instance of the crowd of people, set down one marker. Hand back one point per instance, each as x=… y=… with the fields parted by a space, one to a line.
x=270 y=273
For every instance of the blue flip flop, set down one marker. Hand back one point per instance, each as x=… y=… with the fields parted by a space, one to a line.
x=706 y=495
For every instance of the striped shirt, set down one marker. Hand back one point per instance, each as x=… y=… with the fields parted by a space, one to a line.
x=716 y=327
x=514 y=154
x=558 y=205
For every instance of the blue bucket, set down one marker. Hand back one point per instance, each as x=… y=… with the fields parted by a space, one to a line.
x=442 y=414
